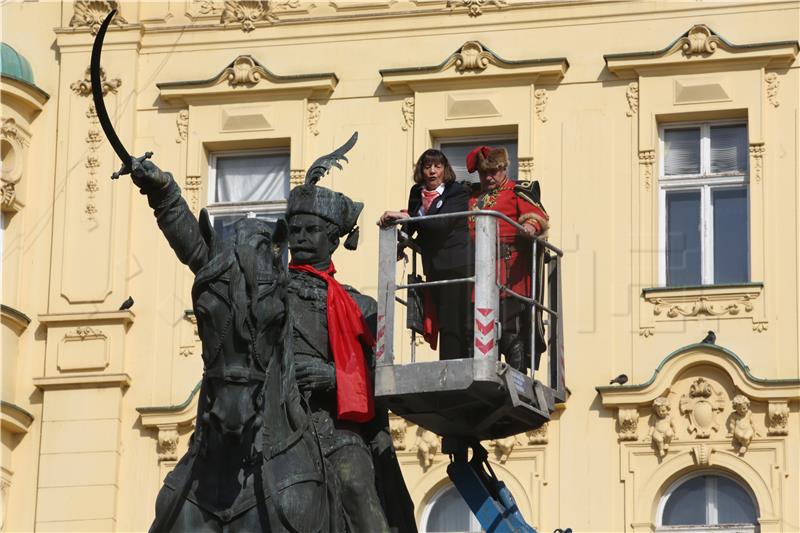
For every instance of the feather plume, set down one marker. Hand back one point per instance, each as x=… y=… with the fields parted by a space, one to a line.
x=323 y=165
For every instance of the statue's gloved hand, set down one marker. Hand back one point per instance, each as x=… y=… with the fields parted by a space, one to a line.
x=147 y=176
x=314 y=374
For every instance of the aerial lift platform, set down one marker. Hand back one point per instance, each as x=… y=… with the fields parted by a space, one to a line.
x=469 y=400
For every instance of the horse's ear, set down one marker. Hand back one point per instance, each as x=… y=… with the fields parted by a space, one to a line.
x=279 y=237
x=206 y=228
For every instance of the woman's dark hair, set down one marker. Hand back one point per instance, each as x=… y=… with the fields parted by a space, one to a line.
x=433 y=156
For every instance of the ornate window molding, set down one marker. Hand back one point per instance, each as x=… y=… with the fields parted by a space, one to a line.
x=474 y=63
x=721 y=302
x=695 y=76
x=702 y=408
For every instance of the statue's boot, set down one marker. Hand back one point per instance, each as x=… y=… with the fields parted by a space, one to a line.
x=513 y=348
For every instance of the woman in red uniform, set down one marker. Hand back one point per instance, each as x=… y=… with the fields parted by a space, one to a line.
x=498 y=193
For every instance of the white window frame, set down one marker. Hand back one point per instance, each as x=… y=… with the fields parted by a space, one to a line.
x=704 y=182
x=249 y=209
x=426 y=512
x=712 y=518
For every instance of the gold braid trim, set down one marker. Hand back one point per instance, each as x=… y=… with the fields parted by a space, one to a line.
x=544 y=224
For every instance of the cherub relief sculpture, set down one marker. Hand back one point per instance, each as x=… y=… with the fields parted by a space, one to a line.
x=740 y=423
x=663 y=430
x=427 y=447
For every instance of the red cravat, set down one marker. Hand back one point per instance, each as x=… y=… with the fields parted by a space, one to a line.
x=347 y=333
x=427 y=199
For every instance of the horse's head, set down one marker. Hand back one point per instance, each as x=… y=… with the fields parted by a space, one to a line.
x=239 y=300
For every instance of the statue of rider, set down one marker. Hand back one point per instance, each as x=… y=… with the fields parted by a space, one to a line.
x=333 y=327
x=334 y=362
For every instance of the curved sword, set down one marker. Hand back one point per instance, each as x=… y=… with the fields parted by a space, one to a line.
x=100 y=106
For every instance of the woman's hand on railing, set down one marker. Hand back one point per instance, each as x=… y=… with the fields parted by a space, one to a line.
x=390 y=216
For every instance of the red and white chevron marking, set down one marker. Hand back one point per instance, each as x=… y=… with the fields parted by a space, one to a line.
x=484 y=331
x=380 y=342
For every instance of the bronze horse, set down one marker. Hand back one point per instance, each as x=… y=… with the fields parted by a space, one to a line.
x=254 y=462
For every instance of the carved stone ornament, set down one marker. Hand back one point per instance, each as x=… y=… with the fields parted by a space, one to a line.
x=91 y=13
x=475 y=7
x=248 y=13
x=313 y=117
x=84 y=87
x=740 y=423
x=93 y=140
x=168 y=443
x=663 y=429
x=628 y=423
x=192 y=188
x=504 y=447
x=9 y=194
x=701 y=454
x=646 y=160
x=296 y=177
x=10 y=131
x=632 y=94
x=699 y=41
x=408 y=113
x=84 y=333
x=182 y=122
x=540 y=102
x=702 y=406
x=772 y=88
x=703 y=306
x=398 y=427
x=778 y=418
x=525 y=168
x=428 y=446
x=646 y=331
x=472 y=56
x=244 y=71
x=757 y=161
x=538 y=435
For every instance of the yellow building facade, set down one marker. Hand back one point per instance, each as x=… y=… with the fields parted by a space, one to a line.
x=665 y=137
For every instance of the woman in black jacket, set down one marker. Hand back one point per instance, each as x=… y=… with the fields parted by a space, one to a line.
x=446 y=247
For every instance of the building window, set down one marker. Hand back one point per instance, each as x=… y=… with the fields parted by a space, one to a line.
x=703 y=187
x=448 y=512
x=705 y=503
x=247 y=184
x=456 y=151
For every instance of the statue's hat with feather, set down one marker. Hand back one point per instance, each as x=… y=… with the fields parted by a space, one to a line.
x=332 y=206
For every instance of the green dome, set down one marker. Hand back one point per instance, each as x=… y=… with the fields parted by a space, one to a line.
x=14 y=65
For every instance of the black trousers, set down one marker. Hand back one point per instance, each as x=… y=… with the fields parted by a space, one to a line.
x=454 y=308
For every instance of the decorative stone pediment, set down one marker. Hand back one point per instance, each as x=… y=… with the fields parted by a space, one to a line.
x=170 y=422
x=475 y=63
x=699 y=46
x=701 y=409
x=246 y=77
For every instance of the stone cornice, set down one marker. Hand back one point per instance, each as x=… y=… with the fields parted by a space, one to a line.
x=474 y=62
x=125 y=317
x=16 y=319
x=180 y=414
x=700 y=47
x=81 y=380
x=14 y=418
x=30 y=96
x=245 y=75
x=693 y=355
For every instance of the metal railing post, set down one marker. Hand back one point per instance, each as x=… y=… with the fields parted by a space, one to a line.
x=486 y=290
x=556 y=330
x=387 y=260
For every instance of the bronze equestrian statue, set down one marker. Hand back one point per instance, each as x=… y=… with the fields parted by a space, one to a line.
x=287 y=436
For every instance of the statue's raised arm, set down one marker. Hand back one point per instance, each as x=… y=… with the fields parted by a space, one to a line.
x=189 y=239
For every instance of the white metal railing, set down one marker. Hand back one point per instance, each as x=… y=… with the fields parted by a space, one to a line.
x=545 y=292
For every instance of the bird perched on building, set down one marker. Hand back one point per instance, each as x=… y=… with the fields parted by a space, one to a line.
x=622 y=379
x=711 y=338
x=127 y=304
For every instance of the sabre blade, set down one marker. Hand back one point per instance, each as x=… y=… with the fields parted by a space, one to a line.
x=99 y=104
